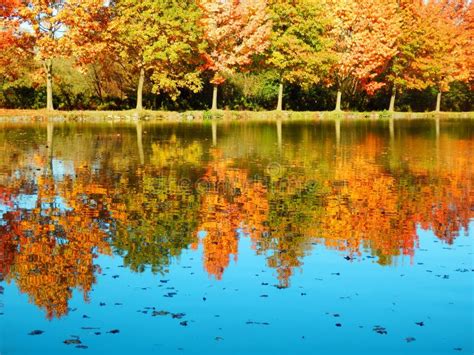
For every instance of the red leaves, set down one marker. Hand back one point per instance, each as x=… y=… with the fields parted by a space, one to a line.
x=7 y=7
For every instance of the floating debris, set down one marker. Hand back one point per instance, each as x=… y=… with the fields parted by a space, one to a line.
x=36 y=332
x=380 y=330
x=257 y=323
x=178 y=315
x=160 y=313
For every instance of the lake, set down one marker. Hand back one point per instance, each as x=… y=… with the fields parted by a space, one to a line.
x=266 y=237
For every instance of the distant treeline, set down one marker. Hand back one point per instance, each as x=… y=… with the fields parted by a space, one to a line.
x=314 y=55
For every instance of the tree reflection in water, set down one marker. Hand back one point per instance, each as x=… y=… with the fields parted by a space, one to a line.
x=91 y=192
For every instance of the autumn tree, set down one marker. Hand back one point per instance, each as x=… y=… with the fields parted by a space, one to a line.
x=443 y=60
x=50 y=24
x=433 y=48
x=235 y=31
x=45 y=21
x=298 y=50
x=365 y=35
x=401 y=73
x=159 y=38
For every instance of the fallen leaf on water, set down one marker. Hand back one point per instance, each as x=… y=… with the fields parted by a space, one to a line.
x=36 y=332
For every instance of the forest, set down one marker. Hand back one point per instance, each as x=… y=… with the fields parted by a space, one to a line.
x=306 y=55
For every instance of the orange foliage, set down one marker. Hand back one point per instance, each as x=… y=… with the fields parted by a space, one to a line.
x=55 y=245
x=230 y=202
x=235 y=30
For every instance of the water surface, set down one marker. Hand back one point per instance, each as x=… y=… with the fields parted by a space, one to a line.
x=282 y=238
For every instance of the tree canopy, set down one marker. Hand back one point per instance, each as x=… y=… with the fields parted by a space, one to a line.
x=308 y=50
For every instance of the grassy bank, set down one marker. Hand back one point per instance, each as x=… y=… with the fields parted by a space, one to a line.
x=198 y=116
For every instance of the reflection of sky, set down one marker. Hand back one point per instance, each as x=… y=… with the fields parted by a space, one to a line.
x=28 y=202
x=62 y=168
x=301 y=318
x=3 y=209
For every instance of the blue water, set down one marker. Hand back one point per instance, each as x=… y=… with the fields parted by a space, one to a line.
x=396 y=292
x=302 y=319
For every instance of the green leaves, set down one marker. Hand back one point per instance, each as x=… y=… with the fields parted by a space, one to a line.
x=299 y=41
x=164 y=39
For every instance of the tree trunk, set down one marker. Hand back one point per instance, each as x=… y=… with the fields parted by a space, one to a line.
x=49 y=138
x=392 y=101
x=141 y=80
x=48 y=66
x=279 y=133
x=280 y=97
x=338 y=101
x=141 y=153
x=392 y=128
x=214 y=98
x=438 y=102
x=214 y=133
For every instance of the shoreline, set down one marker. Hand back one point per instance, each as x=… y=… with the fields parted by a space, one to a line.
x=25 y=116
